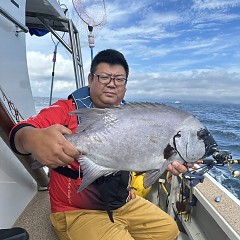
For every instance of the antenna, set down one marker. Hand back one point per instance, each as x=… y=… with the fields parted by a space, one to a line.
x=93 y=14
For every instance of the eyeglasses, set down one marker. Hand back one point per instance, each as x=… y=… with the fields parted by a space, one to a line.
x=106 y=79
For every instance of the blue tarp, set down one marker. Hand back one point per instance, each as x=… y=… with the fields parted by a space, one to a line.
x=38 y=32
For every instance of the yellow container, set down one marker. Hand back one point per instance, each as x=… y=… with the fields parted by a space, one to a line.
x=137 y=185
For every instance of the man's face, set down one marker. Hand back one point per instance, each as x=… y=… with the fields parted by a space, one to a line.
x=106 y=94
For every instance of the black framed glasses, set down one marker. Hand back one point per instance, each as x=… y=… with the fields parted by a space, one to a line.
x=106 y=79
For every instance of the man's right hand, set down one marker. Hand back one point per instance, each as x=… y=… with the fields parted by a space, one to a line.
x=47 y=145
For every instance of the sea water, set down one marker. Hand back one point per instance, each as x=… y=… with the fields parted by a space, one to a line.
x=221 y=119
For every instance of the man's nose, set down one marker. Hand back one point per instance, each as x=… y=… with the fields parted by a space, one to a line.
x=112 y=82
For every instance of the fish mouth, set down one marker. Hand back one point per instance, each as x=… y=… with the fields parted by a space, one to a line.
x=210 y=143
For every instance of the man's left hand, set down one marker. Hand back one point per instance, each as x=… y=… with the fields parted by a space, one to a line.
x=176 y=168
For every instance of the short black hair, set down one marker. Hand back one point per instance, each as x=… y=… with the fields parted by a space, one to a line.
x=111 y=57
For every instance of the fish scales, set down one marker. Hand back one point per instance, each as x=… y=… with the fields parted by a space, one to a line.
x=135 y=137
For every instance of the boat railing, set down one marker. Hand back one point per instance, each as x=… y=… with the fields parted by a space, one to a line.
x=13 y=20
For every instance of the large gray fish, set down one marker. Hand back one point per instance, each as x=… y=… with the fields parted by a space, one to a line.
x=141 y=137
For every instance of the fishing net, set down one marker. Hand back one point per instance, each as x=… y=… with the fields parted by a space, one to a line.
x=91 y=12
x=93 y=17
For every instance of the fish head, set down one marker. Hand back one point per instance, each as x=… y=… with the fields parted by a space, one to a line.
x=193 y=145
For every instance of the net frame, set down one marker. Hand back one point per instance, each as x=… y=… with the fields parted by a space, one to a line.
x=91 y=12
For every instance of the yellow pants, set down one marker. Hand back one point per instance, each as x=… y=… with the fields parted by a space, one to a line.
x=138 y=219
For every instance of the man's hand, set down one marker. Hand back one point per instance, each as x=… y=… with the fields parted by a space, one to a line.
x=47 y=145
x=176 y=168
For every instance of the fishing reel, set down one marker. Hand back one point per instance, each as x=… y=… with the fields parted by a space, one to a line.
x=222 y=157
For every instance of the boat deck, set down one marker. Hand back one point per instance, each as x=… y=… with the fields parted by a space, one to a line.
x=35 y=218
x=227 y=208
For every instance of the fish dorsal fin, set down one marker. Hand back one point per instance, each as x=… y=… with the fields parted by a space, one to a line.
x=137 y=105
x=88 y=116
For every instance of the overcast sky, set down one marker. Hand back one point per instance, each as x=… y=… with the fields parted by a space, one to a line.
x=176 y=49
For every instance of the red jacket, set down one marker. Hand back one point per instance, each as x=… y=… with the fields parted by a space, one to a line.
x=63 y=190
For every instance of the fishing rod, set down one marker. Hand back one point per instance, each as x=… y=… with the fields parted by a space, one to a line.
x=221 y=158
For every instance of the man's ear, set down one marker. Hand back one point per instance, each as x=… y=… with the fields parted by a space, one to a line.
x=90 y=79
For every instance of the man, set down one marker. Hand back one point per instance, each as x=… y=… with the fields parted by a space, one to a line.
x=85 y=215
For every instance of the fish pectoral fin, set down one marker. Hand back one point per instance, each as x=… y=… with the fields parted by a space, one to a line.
x=91 y=172
x=151 y=177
